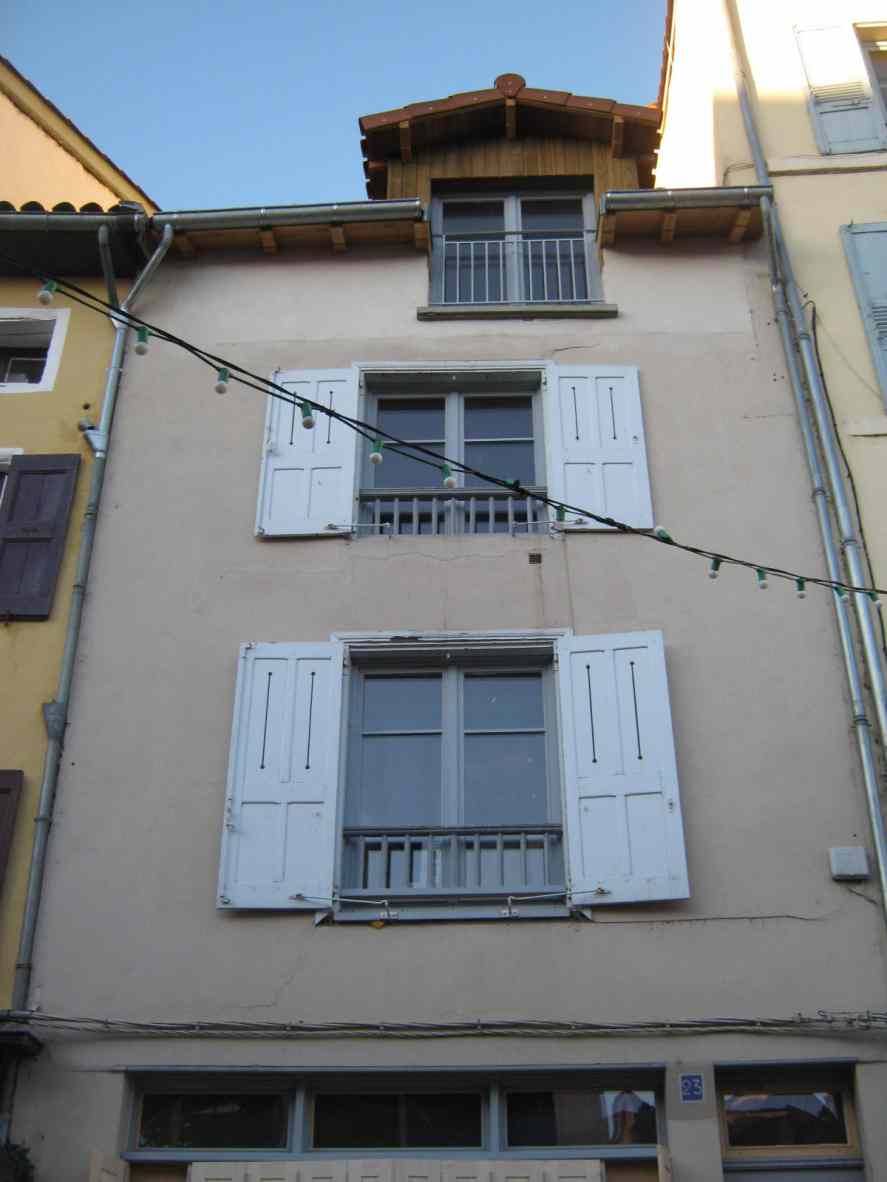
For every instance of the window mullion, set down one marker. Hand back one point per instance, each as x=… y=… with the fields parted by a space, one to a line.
x=451 y=754
x=513 y=249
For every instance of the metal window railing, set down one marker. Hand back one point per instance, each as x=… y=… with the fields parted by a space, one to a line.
x=386 y=512
x=456 y=860
x=512 y=268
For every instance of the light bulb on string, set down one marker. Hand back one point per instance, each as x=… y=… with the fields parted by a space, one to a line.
x=222 y=381
x=663 y=535
x=449 y=480
x=141 y=346
x=841 y=594
x=308 y=419
x=46 y=293
x=376 y=452
x=561 y=513
x=761 y=576
x=875 y=598
x=801 y=585
x=714 y=568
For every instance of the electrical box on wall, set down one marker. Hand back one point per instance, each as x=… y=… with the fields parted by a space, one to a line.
x=849 y=863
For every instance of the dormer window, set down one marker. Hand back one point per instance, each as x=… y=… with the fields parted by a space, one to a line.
x=514 y=248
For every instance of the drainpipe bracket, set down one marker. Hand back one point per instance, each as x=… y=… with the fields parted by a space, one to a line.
x=97 y=440
x=55 y=719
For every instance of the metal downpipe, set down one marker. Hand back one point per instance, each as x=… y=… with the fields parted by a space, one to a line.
x=793 y=331
x=56 y=712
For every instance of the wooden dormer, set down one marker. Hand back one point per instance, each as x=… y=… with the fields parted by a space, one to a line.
x=506 y=133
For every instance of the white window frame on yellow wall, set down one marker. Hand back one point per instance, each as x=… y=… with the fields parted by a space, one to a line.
x=59 y=318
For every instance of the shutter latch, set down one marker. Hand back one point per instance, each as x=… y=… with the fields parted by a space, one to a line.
x=229 y=820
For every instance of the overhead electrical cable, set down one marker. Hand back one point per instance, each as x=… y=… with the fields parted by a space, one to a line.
x=227 y=370
x=848 y=1023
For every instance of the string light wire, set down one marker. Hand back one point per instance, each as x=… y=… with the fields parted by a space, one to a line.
x=421 y=454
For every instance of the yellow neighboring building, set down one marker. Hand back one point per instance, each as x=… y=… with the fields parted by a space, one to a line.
x=53 y=365
x=816 y=76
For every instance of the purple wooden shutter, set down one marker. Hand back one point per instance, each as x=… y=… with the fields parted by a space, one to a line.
x=34 y=516
x=10 y=790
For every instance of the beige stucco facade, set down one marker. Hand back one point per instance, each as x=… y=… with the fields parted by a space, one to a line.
x=766 y=759
x=703 y=143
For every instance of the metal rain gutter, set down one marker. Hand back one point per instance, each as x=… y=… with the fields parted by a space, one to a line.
x=291 y=215
x=56 y=712
x=259 y=217
x=796 y=335
x=713 y=197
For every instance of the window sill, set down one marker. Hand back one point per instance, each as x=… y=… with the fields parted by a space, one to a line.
x=593 y=311
x=412 y=913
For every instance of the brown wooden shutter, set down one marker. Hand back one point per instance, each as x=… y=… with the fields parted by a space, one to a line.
x=10 y=791
x=34 y=516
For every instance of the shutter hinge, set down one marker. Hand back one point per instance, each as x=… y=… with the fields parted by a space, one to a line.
x=224 y=900
x=55 y=719
x=229 y=819
x=509 y=911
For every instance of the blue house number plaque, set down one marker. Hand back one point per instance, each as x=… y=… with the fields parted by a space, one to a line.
x=692 y=1088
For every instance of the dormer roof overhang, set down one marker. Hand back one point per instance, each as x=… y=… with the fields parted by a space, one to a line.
x=510 y=109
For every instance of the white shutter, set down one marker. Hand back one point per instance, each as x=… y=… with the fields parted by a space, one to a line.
x=278 y=844
x=846 y=115
x=582 y=1170
x=218 y=1171
x=106 y=1167
x=866 y=247
x=307 y=482
x=594 y=439
x=625 y=840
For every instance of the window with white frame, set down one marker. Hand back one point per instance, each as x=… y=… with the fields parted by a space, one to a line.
x=846 y=73
x=507 y=248
x=452 y=771
x=573 y=433
x=31 y=343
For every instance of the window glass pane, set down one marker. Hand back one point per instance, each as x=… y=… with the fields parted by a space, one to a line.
x=401 y=703
x=473 y=217
x=508 y=461
x=400 y=781
x=539 y=217
x=18 y=368
x=442 y=1121
x=213 y=1122
x=498 y=418
x=581 y=1118
x=412 y=418
x=356 y=1122
x=400 y=470
x=503 y=703
x=505 y=781
x=782 y=1118
x=397 y=1121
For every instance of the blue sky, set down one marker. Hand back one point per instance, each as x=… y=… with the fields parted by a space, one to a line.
x=225 y=103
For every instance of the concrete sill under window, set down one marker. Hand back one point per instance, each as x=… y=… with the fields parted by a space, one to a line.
x=593 y=311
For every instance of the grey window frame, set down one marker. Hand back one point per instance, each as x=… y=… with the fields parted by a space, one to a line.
x=299 y=1087
x=453 y=730
x=868 y=46
x=511 y=199
x=454 y=429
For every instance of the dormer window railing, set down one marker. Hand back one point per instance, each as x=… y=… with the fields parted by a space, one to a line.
x=514 y=250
